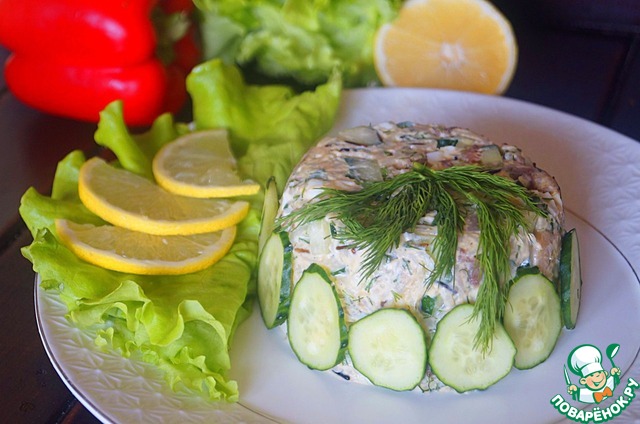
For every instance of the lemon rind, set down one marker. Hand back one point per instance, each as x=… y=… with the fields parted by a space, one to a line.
x=236 y=212
x=112 y=261
x=168 y=182
x=204 y=192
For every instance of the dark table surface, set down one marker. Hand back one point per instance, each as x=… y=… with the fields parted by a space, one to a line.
x=579 y=57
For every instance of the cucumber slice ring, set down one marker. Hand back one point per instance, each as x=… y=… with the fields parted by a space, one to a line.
x=532 y=319
x=316 y=328
x=275 y=272
x=270 y=207
x=454 y=360
x=570 y=279
x=389 y=348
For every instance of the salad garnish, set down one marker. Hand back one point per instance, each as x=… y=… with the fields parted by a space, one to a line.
x=182 y=324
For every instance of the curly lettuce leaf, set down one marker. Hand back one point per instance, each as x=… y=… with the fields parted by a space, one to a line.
x=39 y=211
x=270 y=126
x=135 y=152
x=182 y=324
x=175 y=322
x=298 y=39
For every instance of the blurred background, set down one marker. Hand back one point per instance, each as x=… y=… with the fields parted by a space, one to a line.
x=577 y=56
x=581 y=57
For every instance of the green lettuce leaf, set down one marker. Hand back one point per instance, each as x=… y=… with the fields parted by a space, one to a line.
x=175 y=322
x=182 y=324
x=270 y=126
x=303 y=40
x=40 y=211
x=135 y=152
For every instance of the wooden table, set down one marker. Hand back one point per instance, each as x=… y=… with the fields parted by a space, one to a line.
x=587 y=64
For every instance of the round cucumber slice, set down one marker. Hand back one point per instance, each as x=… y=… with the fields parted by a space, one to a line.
x=270 y=207
x=316 y=328
x=570 y=279
x=532 y=319
x=456 y=362
x=275 y=272
x=389 y=348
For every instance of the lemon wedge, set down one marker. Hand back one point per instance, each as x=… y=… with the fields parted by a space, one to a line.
x=123 y=250
x=130 y=201
x=201 y=164
x=463 y=45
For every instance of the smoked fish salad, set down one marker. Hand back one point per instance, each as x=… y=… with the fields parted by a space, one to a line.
x=418 y=257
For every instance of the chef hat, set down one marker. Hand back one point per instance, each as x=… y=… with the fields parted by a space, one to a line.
x=585 y=360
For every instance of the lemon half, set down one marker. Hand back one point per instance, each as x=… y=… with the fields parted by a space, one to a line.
x=465 y=45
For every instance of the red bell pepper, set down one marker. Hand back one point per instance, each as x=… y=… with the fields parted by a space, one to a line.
x=73 y=57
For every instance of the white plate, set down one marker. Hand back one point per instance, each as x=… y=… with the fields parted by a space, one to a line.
x=597 y=170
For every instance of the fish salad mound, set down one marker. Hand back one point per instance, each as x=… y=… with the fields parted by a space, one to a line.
x=359 y=156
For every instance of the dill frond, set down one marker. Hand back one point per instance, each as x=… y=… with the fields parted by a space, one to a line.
x=375 y=217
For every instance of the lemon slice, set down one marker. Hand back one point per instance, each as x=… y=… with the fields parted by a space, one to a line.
x=201 y=164
x=452 y=44
x=130 y=201
x=134 y=252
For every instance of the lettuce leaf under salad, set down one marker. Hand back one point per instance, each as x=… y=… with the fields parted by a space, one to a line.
x=182 y=324
x=299 y=40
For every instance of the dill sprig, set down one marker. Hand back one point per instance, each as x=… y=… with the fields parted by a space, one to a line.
x=499 y=204
x=375 y=217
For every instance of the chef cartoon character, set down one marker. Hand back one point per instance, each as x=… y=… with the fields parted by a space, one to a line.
x=586 y=362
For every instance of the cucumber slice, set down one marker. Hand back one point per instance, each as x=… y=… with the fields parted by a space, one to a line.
x=274 y=279
x=270 y=207
x=316 y=328
x=570 y=279
x=454 y=360
x=389 y=348
x=532 y=319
